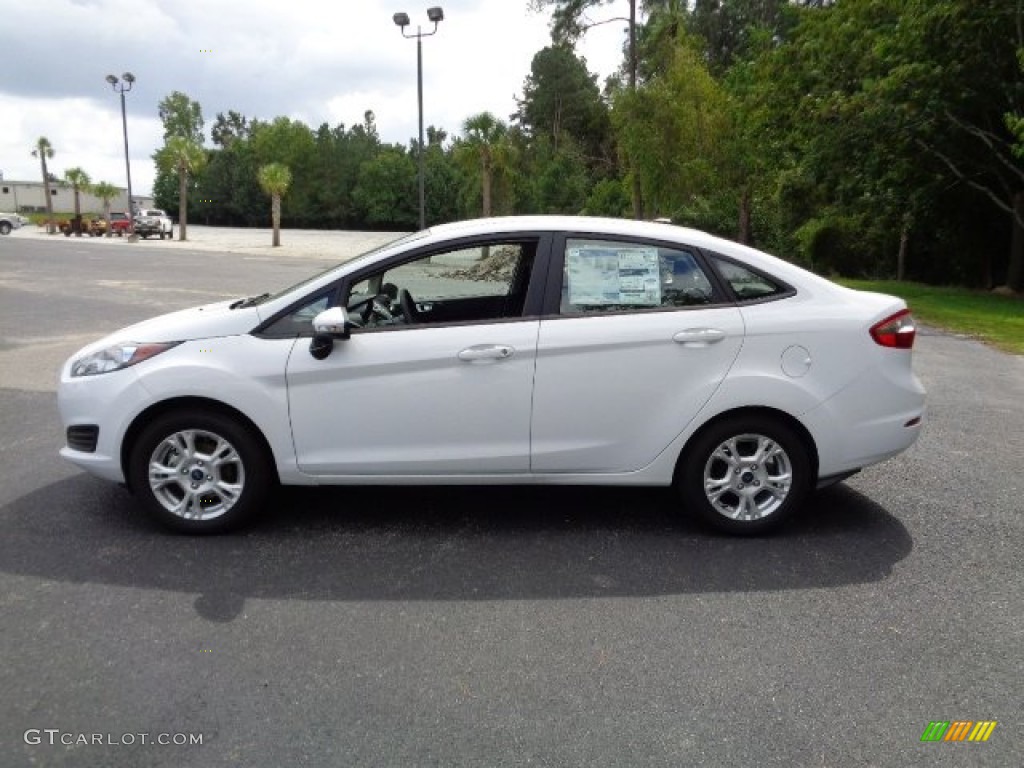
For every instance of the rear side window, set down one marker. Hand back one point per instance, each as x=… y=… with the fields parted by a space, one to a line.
x=747 y=284
x=609 y=276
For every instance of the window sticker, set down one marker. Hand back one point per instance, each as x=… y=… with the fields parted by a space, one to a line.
x=603 y=275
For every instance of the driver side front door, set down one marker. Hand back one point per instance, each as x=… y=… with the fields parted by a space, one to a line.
x=444 y=396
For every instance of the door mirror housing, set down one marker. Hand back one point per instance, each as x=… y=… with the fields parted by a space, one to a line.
x=332 y=322
x=329 y=325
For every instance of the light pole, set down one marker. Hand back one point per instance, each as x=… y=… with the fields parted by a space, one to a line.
x=122 y=86
x=436 y=15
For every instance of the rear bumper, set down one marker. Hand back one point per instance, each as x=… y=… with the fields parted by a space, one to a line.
x=883 y=412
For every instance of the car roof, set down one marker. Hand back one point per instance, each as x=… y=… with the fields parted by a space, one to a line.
x=553 y=223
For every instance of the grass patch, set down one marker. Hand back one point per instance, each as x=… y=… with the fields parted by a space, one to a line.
x=998 y=320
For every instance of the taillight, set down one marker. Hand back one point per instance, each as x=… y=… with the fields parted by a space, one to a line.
x=897 y=331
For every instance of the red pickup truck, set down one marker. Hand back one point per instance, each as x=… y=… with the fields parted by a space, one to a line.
x=120 y=224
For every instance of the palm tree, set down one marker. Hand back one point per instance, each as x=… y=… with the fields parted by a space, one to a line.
x=484 y=135
x=275 y=179
x=106 y=192
x=79 y=181
x=181 y=156
x=44 y=151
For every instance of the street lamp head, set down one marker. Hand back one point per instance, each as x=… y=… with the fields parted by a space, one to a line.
x=112 y=79
x=401 y=19
x=128 y=77
x=435 y=14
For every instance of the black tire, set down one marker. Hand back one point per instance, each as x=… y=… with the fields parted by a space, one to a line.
x=752 y=497
x=212 y=509
x=5 y=227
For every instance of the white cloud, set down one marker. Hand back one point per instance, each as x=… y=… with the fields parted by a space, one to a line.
x=315 y=60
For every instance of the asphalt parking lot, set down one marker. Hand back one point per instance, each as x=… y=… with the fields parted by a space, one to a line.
x=497 y=627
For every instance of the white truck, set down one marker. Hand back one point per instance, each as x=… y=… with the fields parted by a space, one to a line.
x=153 y=221
x=11 y=221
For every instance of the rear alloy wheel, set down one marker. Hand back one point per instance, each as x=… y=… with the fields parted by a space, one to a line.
x=5 y=228
x=199 y=472
x=745 y=475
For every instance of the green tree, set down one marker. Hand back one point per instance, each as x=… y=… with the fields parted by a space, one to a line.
x=886 y=119
x=228 y=191
x=484 y=135
x=560 y=97
x=44 y=151
x=568 y=23
x=386 y=193
x=275 y=179
x=730 y=28
x=227 y=130
x=182 y=117
x=291 y=143
x=672 y=128
x=557 y=176
x=80 y=182
x=184 y=157
x=441 y=179
x=106 y=192
x=340 y=154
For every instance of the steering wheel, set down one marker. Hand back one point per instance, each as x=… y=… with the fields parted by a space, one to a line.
x=368 y=306
x=362 y=308
x=412 y=315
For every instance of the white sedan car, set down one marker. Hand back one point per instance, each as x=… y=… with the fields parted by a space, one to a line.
x=547 y=350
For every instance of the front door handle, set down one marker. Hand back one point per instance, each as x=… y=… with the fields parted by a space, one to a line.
x=484 y=352
x=699 y=337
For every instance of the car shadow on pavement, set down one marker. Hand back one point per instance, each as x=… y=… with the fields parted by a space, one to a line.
x=482 y=543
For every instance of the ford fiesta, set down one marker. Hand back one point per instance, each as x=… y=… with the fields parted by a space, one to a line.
x=501 y=351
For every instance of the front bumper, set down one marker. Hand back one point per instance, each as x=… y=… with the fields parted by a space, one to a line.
x=109 y=401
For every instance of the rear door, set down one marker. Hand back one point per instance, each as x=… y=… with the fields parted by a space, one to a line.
x=635 y=340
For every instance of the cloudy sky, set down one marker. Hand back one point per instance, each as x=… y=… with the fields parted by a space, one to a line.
x=312 y=60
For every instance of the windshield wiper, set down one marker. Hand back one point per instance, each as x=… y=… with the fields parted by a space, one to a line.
x=242 y=303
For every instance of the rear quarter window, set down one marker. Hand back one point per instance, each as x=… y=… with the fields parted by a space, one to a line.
x=747 y=284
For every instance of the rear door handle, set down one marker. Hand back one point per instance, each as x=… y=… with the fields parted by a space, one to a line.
x=699 y=337
x=483 y=352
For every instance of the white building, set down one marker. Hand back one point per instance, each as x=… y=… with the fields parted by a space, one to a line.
x=30 y=197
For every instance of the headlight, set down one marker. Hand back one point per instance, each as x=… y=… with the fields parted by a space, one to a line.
x=117 y=357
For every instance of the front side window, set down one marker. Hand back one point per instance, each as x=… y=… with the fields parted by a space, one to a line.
x=299 y=322
x=472 y=284
x=609 y=276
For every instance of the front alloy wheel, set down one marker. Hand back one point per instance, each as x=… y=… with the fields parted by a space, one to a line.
x=196 y=475
x=199 y=473
x=745 y=475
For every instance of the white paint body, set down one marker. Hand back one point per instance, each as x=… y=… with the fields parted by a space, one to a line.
x=609 y=399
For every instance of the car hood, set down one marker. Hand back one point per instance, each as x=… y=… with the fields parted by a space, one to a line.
x=203 y=322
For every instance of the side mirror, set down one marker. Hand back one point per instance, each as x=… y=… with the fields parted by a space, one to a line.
x=329 y=325
x=332 y=322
